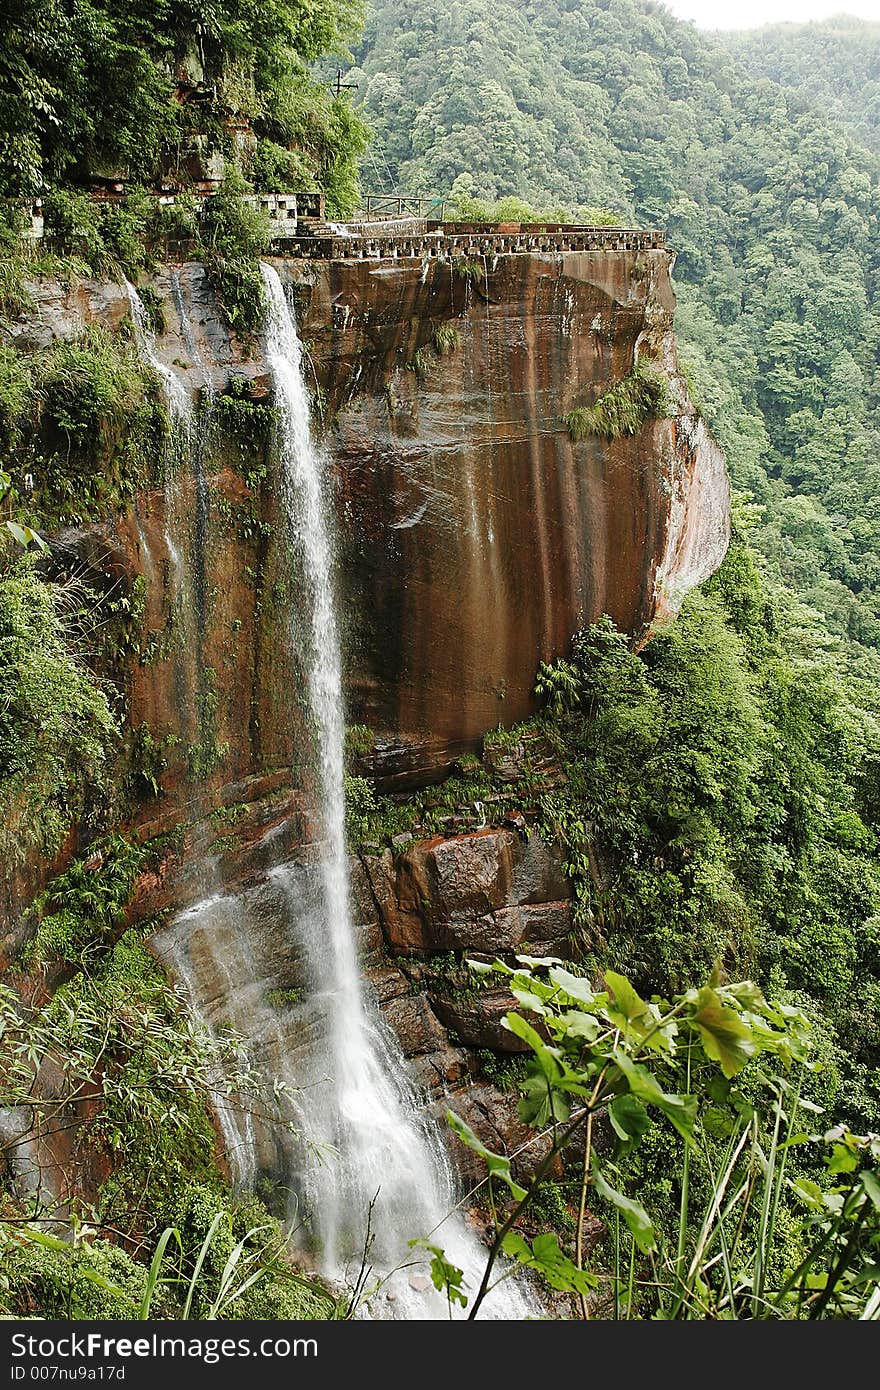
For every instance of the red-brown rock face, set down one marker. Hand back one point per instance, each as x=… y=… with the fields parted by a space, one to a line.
x=486 y=891
x=475 y=537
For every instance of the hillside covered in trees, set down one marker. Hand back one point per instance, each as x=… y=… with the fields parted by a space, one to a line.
x=773 y=210
x=835 y=65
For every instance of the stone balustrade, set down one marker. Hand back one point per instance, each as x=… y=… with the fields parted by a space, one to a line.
x=471 y=245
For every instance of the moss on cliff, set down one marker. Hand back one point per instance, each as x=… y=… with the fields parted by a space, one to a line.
x=625 y=408
x=85 y=424
x=56 y=727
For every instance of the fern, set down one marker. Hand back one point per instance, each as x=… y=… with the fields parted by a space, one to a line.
x=446 y=339
x=624 y=408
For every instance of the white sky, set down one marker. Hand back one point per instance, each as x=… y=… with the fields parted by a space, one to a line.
x=750 y=14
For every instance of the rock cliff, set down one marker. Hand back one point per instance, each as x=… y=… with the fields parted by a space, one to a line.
x=474 y=537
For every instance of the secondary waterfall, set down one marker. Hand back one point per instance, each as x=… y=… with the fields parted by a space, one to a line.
x=179 y=408
x=358 y=1105
x=179 y=401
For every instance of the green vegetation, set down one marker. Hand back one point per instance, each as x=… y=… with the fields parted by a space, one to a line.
x=80 y=910
x=91 y=92
x=144 y=1073
x=625 y=408
x=420 y=364
x=720 y=804
x=85 y=421
x=446 y=338
x=286 y=998
x=234 y=235
x=229 y=1274
x=372 y=818
x=464 y=207
x=721 y=1072
x=207 y=755
x=472 y=271
x=835 y=65
x=359 y=741
x=56 y=726
x=89 y=89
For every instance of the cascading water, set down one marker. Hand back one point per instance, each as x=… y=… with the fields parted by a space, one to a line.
x=179 y=408
x=196 y=441
x=358 y=1103
x=179 y=402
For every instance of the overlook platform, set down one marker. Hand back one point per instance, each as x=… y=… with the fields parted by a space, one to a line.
x=451 y=241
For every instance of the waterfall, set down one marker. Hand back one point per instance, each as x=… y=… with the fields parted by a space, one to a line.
x=189 y=338
x=179 y=402
x=196 y=453
x=180 y=410
x=358 y=1104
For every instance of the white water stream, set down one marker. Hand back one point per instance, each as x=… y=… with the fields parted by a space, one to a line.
x=179 y=401
x=362 y=1151
x=363 y=1109
x=180 y=411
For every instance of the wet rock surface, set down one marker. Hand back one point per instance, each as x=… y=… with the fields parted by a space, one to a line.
x=474 y=538
x=489 y=892
x=492 y=890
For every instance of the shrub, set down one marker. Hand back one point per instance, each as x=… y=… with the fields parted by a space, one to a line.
x=56 y=727
x=234 y=234
x=625 y=408
x=102 y=424
x=446 y=338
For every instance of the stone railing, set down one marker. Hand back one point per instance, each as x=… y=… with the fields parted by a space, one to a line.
x=367 y=245
x=387 y=227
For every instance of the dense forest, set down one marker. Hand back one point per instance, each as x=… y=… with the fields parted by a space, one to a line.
x=95 y=88
x=773 y=211
x=834 y=65
x=719 y=811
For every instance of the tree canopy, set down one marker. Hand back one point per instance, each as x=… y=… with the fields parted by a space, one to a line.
x=101 y=86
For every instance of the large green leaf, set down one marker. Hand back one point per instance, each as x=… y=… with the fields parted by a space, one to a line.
x=547 y=1059
x=726 y=1038
x=25 y=535
x=574 y=987
x=636 y=1018
x=680 y=1110
x=629 y=1120
x=497 y=1164
x=527 y=999
x=628 y=1004
x=871 y=1185
x=540 y=1102
x=633 y=1213
x=447 y=1278
x=576 y=1024
x=843 y=1160
x=545 y=1256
